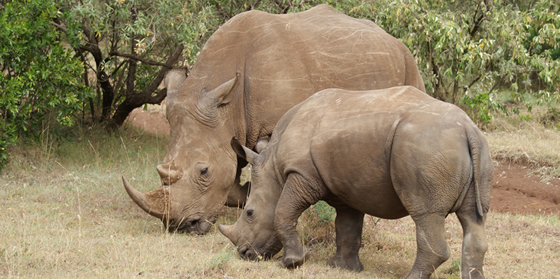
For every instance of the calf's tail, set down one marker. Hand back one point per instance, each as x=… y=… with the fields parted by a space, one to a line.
x=475 y=150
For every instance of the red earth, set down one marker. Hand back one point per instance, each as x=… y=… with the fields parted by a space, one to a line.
x=514 y=190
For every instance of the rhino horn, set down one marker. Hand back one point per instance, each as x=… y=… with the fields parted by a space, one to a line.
x=227 y=230
x=150 y=202
x=169 y=173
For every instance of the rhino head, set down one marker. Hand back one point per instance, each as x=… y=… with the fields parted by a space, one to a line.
x=200 y=166
x=254 y=232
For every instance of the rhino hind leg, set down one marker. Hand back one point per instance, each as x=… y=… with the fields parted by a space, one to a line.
x=432 y=247
x=475 y=243
x=348 y=223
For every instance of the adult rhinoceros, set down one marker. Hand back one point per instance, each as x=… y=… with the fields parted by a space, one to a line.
x=389 y=153
x=250 y=72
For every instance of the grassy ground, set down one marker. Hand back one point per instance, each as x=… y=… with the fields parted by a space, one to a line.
x=65 y=214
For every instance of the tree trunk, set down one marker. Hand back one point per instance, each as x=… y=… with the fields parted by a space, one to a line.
x=135 y=100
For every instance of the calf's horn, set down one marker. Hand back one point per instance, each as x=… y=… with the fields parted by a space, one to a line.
x=227 y=230
x=146 y=201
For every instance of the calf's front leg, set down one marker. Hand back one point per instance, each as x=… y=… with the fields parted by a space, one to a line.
x=348 y=223
x=297 y=195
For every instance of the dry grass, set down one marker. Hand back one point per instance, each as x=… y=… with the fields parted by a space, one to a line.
x=528 y=143
x=66 y=215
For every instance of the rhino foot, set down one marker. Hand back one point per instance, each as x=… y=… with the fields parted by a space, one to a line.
x=353 y=263
x=293 y=260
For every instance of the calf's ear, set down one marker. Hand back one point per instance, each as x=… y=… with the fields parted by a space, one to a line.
x=261 y=144
x=244 y=152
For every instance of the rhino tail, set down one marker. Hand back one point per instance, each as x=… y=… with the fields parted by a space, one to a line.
x=473 y=140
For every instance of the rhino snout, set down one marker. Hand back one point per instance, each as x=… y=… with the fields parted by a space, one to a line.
x=248 y=253
x=194 y=226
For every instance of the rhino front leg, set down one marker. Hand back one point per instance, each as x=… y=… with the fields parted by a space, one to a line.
x=348 y=223
x=296 y=197
x=432 y=247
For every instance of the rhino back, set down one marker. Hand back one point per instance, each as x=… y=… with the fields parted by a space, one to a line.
x=346 y=140
x=283 y=59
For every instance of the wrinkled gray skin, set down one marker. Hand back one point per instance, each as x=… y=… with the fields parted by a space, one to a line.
x=388 y=153
x=250 y=72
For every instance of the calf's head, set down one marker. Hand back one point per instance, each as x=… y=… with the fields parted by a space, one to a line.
x=253 y=232
x=200 y=166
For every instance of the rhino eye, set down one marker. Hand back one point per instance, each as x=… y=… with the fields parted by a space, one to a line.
x=204 y=171
x=249 y=213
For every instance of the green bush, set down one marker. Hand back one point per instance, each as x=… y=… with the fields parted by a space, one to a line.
x=324 y=211
x=468 y=48
x=41 y=78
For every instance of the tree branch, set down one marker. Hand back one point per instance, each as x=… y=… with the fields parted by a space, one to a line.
x=222 y=12
x=252 y=6
x=284 y=9
x=58 y=26
x=137 y=58
x=147 y=93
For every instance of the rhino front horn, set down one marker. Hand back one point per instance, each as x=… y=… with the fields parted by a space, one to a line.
x=227 y=230
x=142 y=201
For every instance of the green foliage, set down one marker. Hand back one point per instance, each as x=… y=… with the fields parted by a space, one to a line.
x=40 y=77
x=480 y=105
x=464 y=48
x=551 y=117
x=220 y=261
x=324 y=211
x=455 y=268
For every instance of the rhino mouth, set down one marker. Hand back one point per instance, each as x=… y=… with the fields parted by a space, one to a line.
x=198 y=227
x=248 y=253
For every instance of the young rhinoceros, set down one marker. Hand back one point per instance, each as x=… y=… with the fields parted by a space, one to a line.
x=388 y=153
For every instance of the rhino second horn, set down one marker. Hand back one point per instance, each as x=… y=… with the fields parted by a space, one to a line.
x=169 y=173
x=141 y=200
x=227 y=230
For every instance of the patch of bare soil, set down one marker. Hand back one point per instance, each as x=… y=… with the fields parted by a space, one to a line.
x=514 y=190
x=150 y=121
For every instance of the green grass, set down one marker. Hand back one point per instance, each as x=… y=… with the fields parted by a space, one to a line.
x=65 y=214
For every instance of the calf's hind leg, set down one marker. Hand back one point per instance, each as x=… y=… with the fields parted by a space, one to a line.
x=432 y=247
x=474 y=244
x=348 y=223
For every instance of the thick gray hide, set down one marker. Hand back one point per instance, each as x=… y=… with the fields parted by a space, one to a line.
x=388 y=153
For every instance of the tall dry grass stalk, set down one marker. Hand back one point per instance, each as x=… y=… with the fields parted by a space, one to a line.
x=66 y=215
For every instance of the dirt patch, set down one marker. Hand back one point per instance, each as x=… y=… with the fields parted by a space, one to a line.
x=152 y=121
x=514 y=190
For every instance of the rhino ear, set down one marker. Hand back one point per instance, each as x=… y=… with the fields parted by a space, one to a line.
x=223 y=94
x=243 y=151
x=261 y=144
x=173 y=79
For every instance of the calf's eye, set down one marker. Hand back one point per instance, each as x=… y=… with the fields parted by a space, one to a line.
x=204 y=171
x=249 y=213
